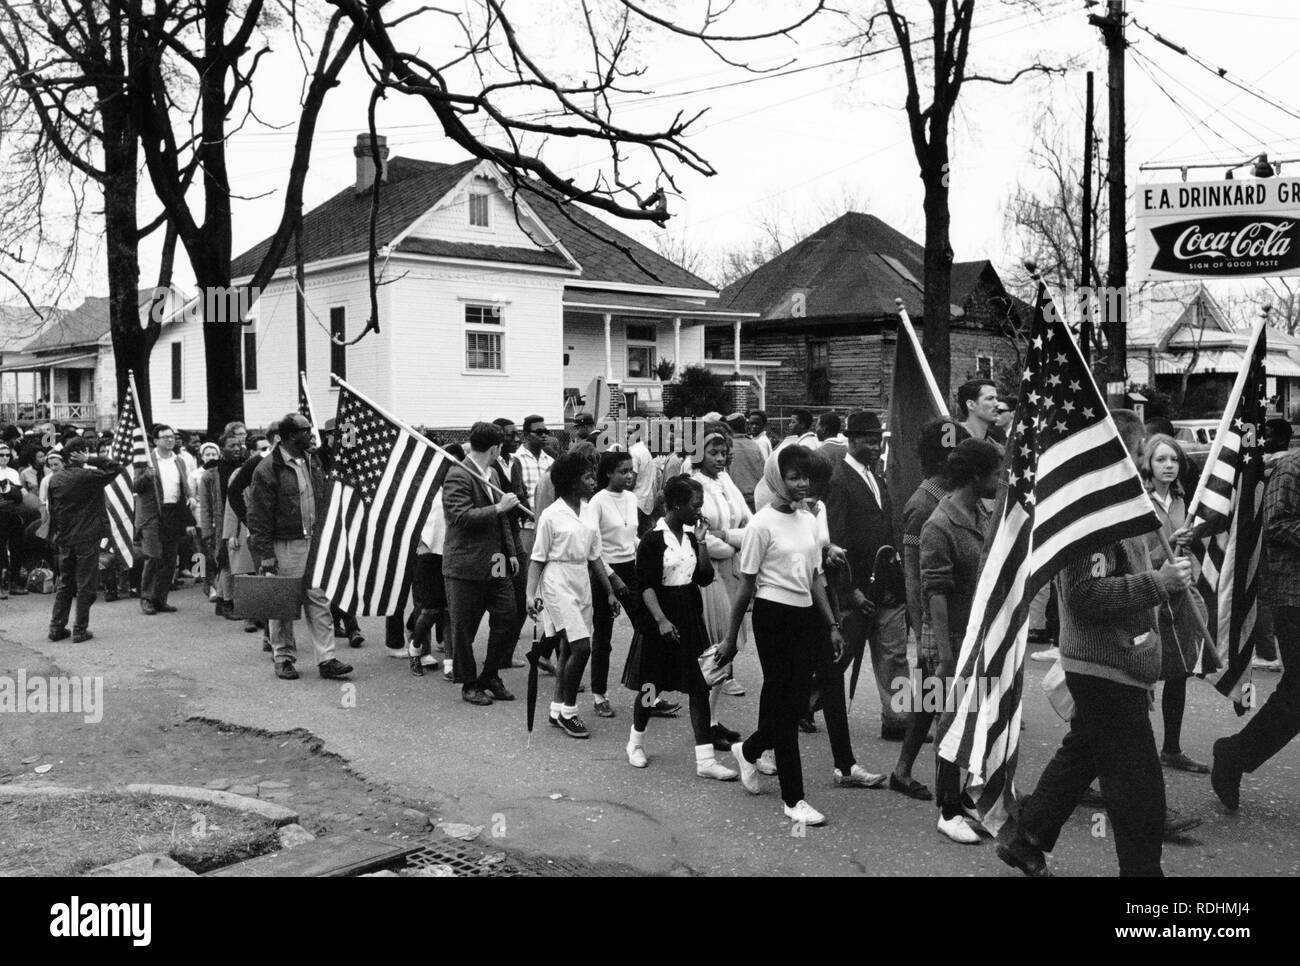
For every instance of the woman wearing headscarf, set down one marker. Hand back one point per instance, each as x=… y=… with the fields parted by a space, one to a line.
x=781 y=572
x=726 y=515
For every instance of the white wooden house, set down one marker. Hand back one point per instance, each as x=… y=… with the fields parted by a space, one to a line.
x=489 y=308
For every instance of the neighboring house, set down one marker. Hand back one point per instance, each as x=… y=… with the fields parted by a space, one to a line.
x=66 y=373
x=828 y=316
x=1179 y=330
x=19 y=324
x=488 y=308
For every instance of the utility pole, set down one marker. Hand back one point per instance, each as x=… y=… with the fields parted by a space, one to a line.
x=1085 y=257
x=300 y=303
x=1116 y=301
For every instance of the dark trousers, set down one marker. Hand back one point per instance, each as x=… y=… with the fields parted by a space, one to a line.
x=520 y=584
x=468 y=600
x=1274 y=725
x=1110 y=738
x=785 y=638
x=156 y=582
x=11 y=543
x=830 y=680
x=602 y=633
x=79 y=577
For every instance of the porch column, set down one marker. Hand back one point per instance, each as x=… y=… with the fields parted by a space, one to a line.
x=609 y=355
x=736 y=329
x=677 y=343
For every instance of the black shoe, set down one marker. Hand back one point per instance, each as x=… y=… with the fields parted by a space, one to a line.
x=602 y=709
x=339 y=631
x=807 y=725
x=266 y=646
x=147 y=607
x=473 y=695
x=893 y=732
x=668 y=709
x=162 y=608
x=723 y=738
x=1225 y=779
x=499 y=691
x=81 y=636
x=59 y=633
x=1178 y=825
x=574 y=727
x=416 y=667
x=284 y=670
x=545 y=666
x=1025 y=857
x=251 y=626
x=911 y=788
x=355 y=639
x=333 y=669
x=110 y=597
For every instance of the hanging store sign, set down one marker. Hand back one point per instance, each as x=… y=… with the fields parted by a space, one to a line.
x=1218 y=229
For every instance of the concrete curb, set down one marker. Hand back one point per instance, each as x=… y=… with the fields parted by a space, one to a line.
x=276 y=814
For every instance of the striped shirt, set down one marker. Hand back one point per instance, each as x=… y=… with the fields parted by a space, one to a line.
x=533 y=468
x=1282 y=533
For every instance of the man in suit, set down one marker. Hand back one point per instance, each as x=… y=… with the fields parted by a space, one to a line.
x=859 y=515
x=479 y=563
x=162 y=512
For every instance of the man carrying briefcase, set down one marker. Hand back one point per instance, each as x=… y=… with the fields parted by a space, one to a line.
x=286 y=491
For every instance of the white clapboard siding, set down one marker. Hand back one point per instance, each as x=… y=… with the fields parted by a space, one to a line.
x=451 y=221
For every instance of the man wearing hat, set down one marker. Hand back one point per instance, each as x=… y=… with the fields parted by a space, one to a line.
x=584 y=430
x=859 y=517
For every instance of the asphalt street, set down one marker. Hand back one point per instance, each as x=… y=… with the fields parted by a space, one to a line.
x=562 y=797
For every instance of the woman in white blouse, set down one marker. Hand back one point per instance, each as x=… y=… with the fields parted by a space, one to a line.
x=726 y=515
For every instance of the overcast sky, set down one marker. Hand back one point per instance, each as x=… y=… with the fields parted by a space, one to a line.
x=796 y=145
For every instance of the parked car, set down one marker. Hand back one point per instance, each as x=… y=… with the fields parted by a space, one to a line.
x=1196 y=436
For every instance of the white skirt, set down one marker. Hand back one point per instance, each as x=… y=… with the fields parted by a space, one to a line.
x=566 y=599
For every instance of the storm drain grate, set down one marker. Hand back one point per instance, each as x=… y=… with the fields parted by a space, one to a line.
x=462 y=859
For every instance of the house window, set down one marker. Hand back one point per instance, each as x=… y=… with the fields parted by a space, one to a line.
x=984 y=367
x=819 y=373
x=178 y=381
x=640 y=351
x=338 y=353
x=479 y=206
x=484 y=338
x=250 y=361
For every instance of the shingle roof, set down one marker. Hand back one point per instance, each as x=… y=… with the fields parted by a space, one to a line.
x=18 y=324
x=480 y=252
x=87 y=323
x=341 y=226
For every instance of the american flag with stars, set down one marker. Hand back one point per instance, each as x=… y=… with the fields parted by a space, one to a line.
x=130 y=450
x=378 y=499
x=1072 y=489
x=306 y=409
x=1228 y=522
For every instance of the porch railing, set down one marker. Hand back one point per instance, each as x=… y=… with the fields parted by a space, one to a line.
x=62 y=412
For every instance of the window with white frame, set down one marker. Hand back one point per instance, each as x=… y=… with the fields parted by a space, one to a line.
x=484 y=338
x=641 y=344
x=479 y=209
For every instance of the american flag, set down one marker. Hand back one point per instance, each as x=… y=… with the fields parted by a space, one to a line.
x=380 y=494
x=305 y=407
x=1072 y=489
x=131 y=450
x=1228 y=521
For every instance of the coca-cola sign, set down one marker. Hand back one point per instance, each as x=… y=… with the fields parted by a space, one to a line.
x=1230 y=245
x=1218 y=229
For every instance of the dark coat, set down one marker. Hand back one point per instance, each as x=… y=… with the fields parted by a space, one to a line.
x=147 y=516
x=274 y=512
x=862 y=526
x=77 y=511
x=476 y=533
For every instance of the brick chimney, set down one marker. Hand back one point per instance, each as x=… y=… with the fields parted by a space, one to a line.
x=366 y=163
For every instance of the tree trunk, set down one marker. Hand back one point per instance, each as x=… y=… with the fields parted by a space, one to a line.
x=938 y=263
x=222 y=332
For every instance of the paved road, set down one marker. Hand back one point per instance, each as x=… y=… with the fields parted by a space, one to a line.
x=581 y=799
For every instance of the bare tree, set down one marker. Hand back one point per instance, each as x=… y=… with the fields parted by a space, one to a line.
x=930 y=103
x=1282 y=299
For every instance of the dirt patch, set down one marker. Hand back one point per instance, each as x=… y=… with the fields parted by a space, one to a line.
x=69 y=835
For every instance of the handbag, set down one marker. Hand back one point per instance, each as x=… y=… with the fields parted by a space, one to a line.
x=714 y=673
x=1058 y=692
x=267 y=597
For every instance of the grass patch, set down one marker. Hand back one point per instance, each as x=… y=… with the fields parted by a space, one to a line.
x=69 y=835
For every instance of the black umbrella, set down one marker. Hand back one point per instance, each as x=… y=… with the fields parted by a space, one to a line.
x=874 y=594
x=534 y=655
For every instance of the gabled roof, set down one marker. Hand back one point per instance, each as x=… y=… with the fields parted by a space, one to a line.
x=341 y=226
x=19 y=324
x=83 y=325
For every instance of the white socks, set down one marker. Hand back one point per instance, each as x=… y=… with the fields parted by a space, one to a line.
x=636 y=739
x=555 y=709
x=568 y=710
x=704 y=755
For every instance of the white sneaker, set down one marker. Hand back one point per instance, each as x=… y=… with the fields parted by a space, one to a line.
x=804 y=814
x=734 y=688
x=447 y=671
x=402 y=652
x=429 y=660
x=1046 y=654
x=958 y=829
x=748 y=770
x=858 y=777
x=715 y=769
x=636 y=756
x=766 y=763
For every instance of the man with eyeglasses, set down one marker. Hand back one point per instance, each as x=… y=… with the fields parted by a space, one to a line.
x=11 y=524
x=161 y=515
x=286 y=507
x=534 y=463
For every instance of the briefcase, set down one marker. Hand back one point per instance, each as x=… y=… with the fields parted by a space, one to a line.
x=267 y=597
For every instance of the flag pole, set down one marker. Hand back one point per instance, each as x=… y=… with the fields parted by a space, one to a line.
x=419 y=435
x=1164 y=539
x=906 y=325
x=1229 y=411
x=311 y=408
